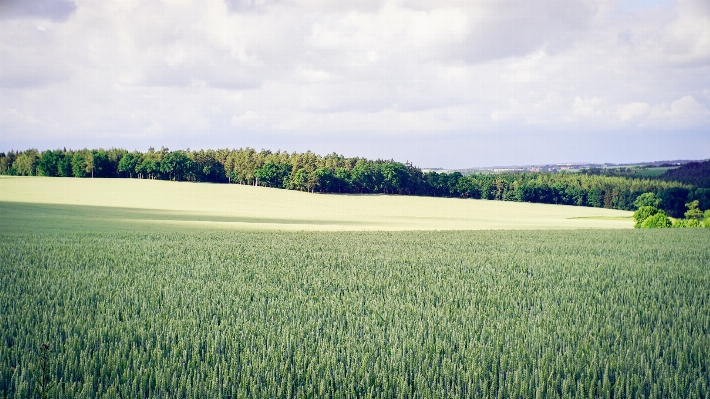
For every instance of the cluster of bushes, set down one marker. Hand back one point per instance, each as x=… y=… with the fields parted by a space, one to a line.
x=335 y=173
x=649 y=216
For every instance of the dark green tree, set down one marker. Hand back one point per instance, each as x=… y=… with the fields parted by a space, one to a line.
x=102 y=166
x=673 y=200
x=324 y=180
x=48 y=163
x=395 y=178
x=81 y=163
x=647 y=199
x=64 y=165
x=176 y=165
x=268 y=175
x=127 y=164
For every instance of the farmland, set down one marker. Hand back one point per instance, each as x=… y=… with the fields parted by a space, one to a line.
x=137 y=288
x=357 y=314
x=32 y=204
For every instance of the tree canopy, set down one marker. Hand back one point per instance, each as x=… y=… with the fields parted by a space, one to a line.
x=335 y=173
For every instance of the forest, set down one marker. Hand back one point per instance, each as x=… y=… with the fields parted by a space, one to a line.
x=335 y=173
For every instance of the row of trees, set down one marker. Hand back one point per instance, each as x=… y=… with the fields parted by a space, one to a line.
x=650 y=217
x=335 y=173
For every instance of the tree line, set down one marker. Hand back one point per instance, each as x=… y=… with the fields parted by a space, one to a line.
x=695 y=173
x=650 y=216
x=335 y=173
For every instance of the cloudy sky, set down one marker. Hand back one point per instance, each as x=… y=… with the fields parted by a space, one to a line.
x=441 y=83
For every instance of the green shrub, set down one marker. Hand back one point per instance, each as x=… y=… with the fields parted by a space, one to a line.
x=657 y=221
x=694 y=223
x=644 y=213
x=683 y=223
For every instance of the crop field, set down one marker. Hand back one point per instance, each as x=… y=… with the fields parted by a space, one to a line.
x=519 y=314
x=31 y=204
x=147 y=289
x=652 y=172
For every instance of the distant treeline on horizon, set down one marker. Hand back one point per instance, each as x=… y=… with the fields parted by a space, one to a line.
x=335 y=173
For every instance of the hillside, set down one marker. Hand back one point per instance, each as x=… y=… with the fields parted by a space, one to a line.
x=42 y=203
x=695 y=173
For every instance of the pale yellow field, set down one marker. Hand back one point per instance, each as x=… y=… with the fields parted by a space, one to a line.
x=148 y=203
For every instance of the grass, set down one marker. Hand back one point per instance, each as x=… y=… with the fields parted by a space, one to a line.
x=617 y=218
x=32 y=204
x=652 y=172
x=483 y=314
x=145 y=288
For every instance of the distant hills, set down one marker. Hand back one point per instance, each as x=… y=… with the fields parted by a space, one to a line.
x=695 y=173
x=570 y=167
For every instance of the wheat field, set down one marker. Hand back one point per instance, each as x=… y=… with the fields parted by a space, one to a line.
x=48 y=203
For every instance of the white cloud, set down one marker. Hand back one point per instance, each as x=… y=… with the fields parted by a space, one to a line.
x=249 y=119
x=631 y=111
x=587 y=107
x=683 y=112
x=324 y=71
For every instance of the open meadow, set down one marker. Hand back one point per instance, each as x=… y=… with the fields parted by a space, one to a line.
x=44 y=204
x=178 y=290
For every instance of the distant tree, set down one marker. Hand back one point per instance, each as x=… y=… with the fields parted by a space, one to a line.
x=299 y=180
x=693 y=211
x=127 y=164
x=149 y=164
x=26 y=163
x=82 y=163
x=703 y=197
x=5 y=163
x=209 y=166
x=695 y=173
x=64 y=166
x=647 y=199
x=673 y=200
x=324 y=179
x=362 y=176
x=268 y=175
x=395 y=177
x=48 y=163
x=595 y=197
x=101 y=165
x=77 y=164
x=176 y=165
x=341 y=180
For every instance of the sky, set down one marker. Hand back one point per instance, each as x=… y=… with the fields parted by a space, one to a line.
x=446 y=83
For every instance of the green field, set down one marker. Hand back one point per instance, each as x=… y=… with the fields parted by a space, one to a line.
x=178 y=290
x=652 y=172
x=622 y=313
x=45 y=204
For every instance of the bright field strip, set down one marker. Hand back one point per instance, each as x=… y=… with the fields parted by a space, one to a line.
x=31 y=203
